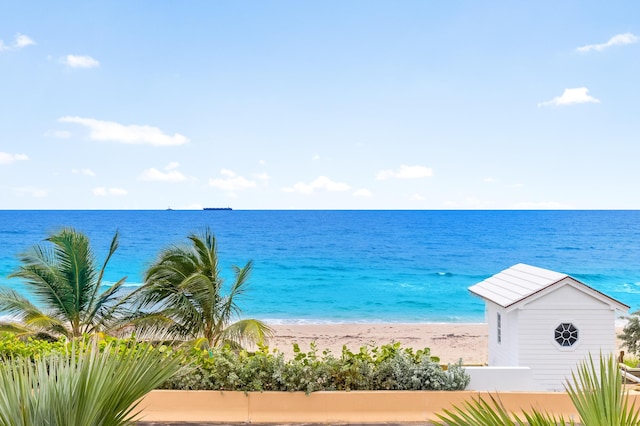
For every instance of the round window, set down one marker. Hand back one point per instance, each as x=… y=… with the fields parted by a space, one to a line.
x=566 y=334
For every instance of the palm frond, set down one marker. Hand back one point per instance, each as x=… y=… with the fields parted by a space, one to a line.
x=184 y=284
x=38 y=269
x=112 y=249
x=76 y=265
x=247 y=331
x=63 y=278
x=107 y=307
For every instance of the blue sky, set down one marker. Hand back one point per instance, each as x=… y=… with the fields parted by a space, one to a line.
x=319 y=104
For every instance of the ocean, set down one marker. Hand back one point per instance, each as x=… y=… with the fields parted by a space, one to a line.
x=316 y=266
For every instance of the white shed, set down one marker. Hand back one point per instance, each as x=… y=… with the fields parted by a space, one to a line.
x=547 y=321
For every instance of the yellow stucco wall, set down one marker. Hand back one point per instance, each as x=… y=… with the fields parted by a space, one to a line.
x=324 y=407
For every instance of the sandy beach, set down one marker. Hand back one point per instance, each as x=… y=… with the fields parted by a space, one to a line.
x=450 y=342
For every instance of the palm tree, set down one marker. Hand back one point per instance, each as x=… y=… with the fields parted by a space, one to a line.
x=65 y=281
x=184 y=291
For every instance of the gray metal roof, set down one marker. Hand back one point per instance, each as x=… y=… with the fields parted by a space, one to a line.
x=521 y=281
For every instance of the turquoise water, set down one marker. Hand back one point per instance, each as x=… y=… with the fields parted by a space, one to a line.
x=360 y=266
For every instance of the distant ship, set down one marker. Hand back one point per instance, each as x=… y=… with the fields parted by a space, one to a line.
x=217 y=208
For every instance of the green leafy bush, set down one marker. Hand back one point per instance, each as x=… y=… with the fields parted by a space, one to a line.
x=11 y=347
x=631 y=334
x=388 y=367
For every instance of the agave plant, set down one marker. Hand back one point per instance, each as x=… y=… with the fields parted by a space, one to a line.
x=88 y=386
x=596 y=393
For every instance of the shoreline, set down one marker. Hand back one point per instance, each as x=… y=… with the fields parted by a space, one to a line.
x=450 y=342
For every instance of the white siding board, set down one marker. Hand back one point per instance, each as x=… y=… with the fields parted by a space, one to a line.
x=550 y=364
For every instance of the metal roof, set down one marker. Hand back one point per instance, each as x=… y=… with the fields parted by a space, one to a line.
x=522 y=281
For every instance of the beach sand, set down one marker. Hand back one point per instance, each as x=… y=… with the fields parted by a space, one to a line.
x=449 y=342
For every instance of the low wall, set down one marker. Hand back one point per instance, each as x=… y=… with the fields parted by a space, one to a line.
x=326 y=407
x=501 y=379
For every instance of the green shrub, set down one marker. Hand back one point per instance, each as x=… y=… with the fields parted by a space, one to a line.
x=631 y=361
x=11 y=347
x=630 y=335
x=388 y=367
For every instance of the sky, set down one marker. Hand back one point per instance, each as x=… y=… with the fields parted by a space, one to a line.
x=333 y=104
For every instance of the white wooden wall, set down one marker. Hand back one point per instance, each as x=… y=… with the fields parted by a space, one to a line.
x=551 y=363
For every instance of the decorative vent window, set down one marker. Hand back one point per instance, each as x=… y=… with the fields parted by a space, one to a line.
x=499 y=328
x=566 y=334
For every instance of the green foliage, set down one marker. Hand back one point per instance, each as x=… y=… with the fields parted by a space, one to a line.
x=596 y=393
x=630 y=335
x=65 y=280
x=90 y=384
x=480 y=412
x=11 y=346
x=631 y=361
x=183 y=297
x=387 y=367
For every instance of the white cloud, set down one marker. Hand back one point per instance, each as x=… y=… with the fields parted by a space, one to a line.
x=6 y=158
x=232 y=182
x=619 y=39
x=155 y=175
x=417 y=197
x=262 y=176
x=405 y=172
x=132 y=134
x=59 y=134
x=19 y=42
x=31 y=191
x=579 y=95
x=80 y=61
x=103 y=192
x=489 y=180
x=172 y=165
x=363 y=192
x=321 y=183
x=84 y=172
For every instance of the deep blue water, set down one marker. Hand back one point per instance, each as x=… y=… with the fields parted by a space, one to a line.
x=344 y=266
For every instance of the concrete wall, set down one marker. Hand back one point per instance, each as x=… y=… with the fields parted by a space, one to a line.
x=500 y=379
x=327 y=407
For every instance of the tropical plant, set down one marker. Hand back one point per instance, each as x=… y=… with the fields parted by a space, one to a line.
x=388 y=367
x=65 y=281
x=630 y=335
x=86 y=386
x=596 y=391
x=184 y=297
